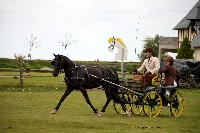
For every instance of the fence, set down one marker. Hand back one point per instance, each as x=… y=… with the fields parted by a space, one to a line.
x=21 y=73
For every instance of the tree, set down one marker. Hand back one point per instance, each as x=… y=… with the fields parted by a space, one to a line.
x=150 y=42
x=185 y=51
x=20 y=60
x=67 y=41
x=32 y=42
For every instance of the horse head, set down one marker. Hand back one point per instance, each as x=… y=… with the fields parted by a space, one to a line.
x=57 y=63
x=60 y=63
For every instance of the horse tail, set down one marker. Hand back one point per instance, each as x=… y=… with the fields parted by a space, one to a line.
x=115 y=96
x=113 y=77
x=115 y=90
x=116 y=77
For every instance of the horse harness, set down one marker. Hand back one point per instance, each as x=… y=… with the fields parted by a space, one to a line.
x=77 y=74
x=80 y=72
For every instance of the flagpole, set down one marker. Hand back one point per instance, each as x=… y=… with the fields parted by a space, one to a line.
x=122 y=65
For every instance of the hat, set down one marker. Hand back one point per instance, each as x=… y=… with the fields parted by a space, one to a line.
x=148 y=50
x=169 y=59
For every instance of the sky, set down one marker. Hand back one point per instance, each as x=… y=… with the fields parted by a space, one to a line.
x=87 y=24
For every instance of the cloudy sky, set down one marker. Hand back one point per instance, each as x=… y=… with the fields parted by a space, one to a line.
x=89 y=22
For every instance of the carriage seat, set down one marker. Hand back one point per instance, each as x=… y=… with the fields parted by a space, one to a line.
x=136 y=83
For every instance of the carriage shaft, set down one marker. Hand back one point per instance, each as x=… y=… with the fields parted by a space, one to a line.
x=125 y=88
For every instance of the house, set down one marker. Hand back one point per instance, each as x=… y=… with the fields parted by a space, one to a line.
x=167 y=44
x=196 y=46
x=189 y=27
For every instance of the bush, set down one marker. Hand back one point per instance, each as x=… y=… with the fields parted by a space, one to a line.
x=185 y=51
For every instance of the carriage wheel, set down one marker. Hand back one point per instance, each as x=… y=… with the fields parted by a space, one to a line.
x=136 y=107
x=152 y=104
x=118 y=106
x=176 y=104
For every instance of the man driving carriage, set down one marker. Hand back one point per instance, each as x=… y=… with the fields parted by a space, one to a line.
x=150 y=66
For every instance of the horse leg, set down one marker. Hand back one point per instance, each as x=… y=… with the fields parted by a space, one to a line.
x=67 y=92
x=123 y=105
x=84 y=93
x=109 y=98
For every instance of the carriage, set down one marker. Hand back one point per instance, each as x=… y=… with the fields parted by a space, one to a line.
x=149 y=99
x=133 y=97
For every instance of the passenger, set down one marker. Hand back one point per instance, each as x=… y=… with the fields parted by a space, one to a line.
x=151 y=65
x=171 y=72
x=170 y=79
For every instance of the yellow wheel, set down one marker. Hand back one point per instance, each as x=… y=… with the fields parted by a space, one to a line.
x=118 y=108
x=126 y=98
x=176 y=104
x=152 y=104
x=136 y=106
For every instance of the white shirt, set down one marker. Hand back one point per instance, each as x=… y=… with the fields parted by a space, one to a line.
x=151 y=64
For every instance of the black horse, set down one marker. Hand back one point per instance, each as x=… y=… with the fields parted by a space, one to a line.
x=80 y=77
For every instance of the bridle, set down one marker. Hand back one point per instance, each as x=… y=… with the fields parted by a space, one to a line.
x=59 y=65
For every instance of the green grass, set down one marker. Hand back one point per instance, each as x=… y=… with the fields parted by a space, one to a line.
x=38 y=82
x=30 y=112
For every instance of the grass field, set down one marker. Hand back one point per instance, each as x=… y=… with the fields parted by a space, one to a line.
x=30 y=112
x=38 y=82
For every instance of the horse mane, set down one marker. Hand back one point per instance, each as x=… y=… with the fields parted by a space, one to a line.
x=68 y=61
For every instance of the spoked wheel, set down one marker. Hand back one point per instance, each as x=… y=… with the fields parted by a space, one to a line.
x=136 y=107
x=152 y=104
x=126 y=98
x=176 y=104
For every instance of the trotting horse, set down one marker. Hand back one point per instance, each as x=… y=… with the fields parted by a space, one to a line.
x=77 y=77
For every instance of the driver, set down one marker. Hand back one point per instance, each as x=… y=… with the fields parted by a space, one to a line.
x=151 y=64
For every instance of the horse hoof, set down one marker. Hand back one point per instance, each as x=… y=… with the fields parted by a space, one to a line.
x=128 y=113
x=100 y=114
x=53 y=112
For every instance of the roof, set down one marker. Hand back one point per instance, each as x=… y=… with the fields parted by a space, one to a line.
x=193 y=14
x=168 y=41
x=196 y=41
